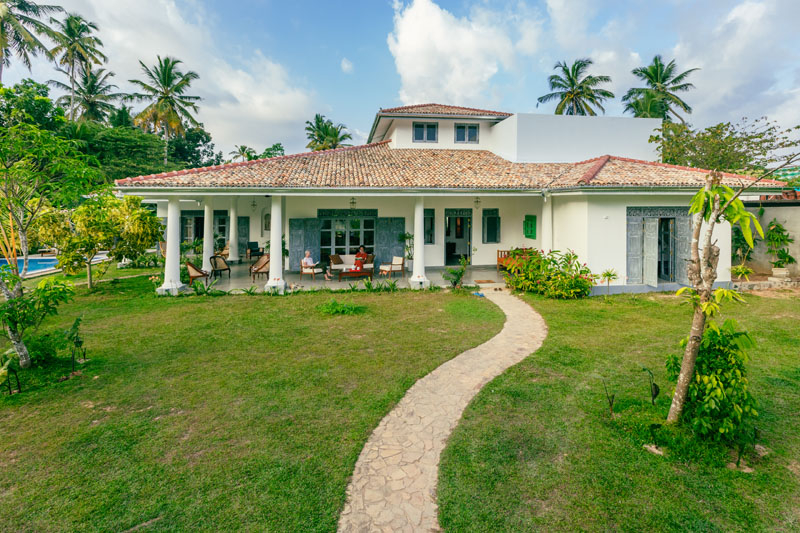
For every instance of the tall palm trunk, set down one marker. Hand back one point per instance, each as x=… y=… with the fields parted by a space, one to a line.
x=166 y=144
x=72 y=92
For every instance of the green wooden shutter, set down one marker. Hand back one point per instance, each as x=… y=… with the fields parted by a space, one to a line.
x=529 y=227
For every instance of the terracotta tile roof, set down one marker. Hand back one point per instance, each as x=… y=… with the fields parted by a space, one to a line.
x=441 y=109
x=378 y=166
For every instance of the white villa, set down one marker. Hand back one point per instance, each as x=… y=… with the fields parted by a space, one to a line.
x=463 y=181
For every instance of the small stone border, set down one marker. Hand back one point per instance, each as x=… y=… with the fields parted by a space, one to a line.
x=393 y=487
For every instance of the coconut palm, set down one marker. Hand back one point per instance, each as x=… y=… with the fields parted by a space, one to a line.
x=165 y=86
x=245 y=153
x=648 y=105
x=92 y=94
x=75 y=49
x=20 y=27
x=323 y=134
x=577 y=92
x=662 y=80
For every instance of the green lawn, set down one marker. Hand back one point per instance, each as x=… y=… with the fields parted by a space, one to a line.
x=112 y=273
x=536 y=449
x=217 y=414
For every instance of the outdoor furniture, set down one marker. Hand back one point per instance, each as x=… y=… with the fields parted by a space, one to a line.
x=504 y=258
x=355 y=274
x=218 y=266
x=261 y=266
x=196 y=273
x=253 y=250
x=309 y=270
x=48 y=251
x=225 y=252
x=348 y=262
x=397 y=265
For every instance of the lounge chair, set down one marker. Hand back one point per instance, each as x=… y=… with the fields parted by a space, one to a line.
x=309 y=270
x=253 y=250
x=196 y=273
x=218 y=266
x=397 y=265
x=260 y=267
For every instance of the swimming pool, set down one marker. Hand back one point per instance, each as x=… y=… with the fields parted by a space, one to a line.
x=35 y=264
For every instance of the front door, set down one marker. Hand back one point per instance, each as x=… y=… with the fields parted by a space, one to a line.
x=343 y=236
x=457 y=237
x=650 y=252
x=244 y=234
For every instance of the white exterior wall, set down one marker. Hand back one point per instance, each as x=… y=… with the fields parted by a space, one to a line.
x=789 y=216
x=570 y=225
x=532 y=138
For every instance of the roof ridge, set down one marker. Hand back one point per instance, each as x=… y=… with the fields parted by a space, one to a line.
x=693 y=169
x=590 y=174
x=183 y=172
x=414 y=106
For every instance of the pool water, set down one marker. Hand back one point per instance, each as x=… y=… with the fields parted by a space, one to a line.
x=35 y=264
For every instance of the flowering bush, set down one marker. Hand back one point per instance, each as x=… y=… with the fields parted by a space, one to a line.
x=553 y=274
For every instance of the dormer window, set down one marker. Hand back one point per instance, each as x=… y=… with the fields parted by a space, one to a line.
x=467 y=133
x=426 y=132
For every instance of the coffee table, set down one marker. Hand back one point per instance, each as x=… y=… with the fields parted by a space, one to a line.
x=355 y=274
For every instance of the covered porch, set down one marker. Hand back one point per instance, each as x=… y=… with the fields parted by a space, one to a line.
x=439 y=229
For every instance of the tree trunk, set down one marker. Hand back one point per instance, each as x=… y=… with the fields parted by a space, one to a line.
x=687 y=365
x=166 y=145
x=72 y=93
x=19 y=347
x=89 y=274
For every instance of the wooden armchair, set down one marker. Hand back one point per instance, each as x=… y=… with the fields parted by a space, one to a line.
x=397 y=264
x=260 y=267
x=218 y=266
x=254 y=250
x=196 y=273
x=309 y=270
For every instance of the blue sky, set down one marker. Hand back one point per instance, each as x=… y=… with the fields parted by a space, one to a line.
x=267 y=66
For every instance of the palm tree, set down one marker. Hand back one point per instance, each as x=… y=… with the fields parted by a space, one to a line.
x=648 y=105
x=121 y=117
x=661 y=80
x=76 y=49
x=576 y=91
x=164 y=86
x=92 y=94
x=323 y=134
x=19 y=26
x=245 y=153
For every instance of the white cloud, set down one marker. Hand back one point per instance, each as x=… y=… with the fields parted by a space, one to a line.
x=347 y=66
x=444 y=58
x=248 y=100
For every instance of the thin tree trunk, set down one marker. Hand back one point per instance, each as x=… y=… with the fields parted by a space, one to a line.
x=19 y=347
x=2 y=58
x=72 y=93
x=166 y=145
x=687 y=365
x=89 y=274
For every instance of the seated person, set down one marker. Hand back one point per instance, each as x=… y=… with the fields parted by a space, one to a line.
x=308 y=261
x=361 y=257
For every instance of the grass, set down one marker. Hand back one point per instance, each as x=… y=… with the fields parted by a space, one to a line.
x=536 y=449
x=112 y=273
x=228 y=413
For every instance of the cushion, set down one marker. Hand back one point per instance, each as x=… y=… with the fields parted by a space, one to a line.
x=386 y=268
x=336 y=260
x=397 y=260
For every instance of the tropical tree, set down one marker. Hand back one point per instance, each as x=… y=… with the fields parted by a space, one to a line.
x=165 y=86
x=20 y=27
x=194 y=149
x=662 y=80
x=648 y=105
x=323 y=134
x=243 y=153
x=92 y=95
x=273 y=151
x=76 y=49
x=577 y=92
x=121 y=117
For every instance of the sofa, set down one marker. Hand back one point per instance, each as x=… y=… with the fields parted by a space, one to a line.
x=348 y=262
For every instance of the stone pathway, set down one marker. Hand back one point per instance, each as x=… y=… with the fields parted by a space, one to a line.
x=394 y=483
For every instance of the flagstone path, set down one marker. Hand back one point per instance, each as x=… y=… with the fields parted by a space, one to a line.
x=394 y=483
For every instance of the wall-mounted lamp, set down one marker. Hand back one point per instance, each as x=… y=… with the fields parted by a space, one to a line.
x=353 y=202
x=477 y=203
x=253 y=205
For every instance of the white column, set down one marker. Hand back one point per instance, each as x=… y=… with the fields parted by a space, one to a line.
x=276 y=282
x=547 y=223
x=418 y=279
x=172 y=263
x=233 y=252
x=208 y=233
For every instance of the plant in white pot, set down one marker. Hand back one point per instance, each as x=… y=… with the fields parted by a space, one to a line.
x=778 y=240
x=407 y=240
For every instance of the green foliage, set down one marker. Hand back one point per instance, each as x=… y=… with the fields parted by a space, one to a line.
x=194 y=149
x=29 y=102
x=607 y=276
x=577 y=92
x=126 y=151
x=144 y=261
x=334 y=307
x=719 y=405
x=746 y=147
x=662 y=82
x=742 y=271
x=740 y=249
x=323 y=134
x=552 y=274
x=456 y=275
x=777 y=240
x=712 y=307
x=733 y=209
x=407 y=240
x=275 y=150
x=28 y=310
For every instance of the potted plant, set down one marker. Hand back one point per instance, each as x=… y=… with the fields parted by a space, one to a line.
x=407 y=240
x=778 y=240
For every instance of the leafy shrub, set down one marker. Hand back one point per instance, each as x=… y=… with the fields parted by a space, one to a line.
x=777 y=240
x=553 y=274
x=144 y=261
x=742 y=271
x=456 y=275
x=719 y=405
x=334 y=307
